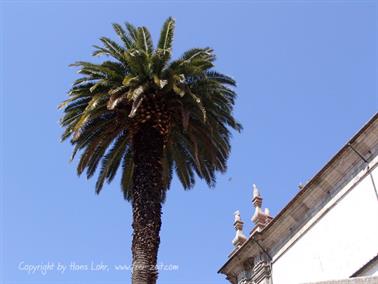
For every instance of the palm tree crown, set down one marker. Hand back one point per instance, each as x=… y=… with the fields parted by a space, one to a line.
x=185 y=100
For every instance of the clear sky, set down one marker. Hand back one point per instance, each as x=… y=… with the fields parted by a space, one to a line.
x=307 y=81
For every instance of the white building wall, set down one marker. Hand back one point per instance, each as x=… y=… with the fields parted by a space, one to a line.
x=340 y=242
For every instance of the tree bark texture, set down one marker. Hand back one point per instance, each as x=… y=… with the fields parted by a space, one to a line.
x=146 y=203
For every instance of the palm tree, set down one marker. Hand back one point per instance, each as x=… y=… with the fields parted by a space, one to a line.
x=148 y=115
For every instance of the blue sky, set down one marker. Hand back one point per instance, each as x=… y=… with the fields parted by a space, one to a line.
x=307 y=81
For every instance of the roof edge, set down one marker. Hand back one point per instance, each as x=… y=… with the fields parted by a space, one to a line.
x=304 y=190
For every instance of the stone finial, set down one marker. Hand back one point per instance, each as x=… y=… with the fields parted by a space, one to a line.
x=268 y=217
x=257 y=202
x=260 y=218
x=240 y=238
x=256 y=191
x=237 y=216
x=267 y=212
x=256 y=199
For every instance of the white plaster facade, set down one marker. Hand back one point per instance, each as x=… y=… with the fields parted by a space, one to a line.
x=329 y=231
x=347 y=228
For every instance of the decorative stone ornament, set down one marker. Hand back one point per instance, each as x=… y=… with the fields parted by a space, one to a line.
x=240 y=238
x=260 y=218
x=256 y=268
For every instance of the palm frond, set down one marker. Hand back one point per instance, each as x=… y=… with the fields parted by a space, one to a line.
x=166 y=35
x=126 y=39
x=127 y=175
x=111 y=160
x=144 y=41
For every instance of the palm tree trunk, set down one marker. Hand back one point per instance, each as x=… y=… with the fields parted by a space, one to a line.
x=146 y=203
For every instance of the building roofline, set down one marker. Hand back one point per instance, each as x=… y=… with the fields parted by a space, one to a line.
x=328 y=165
x=307 y=187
